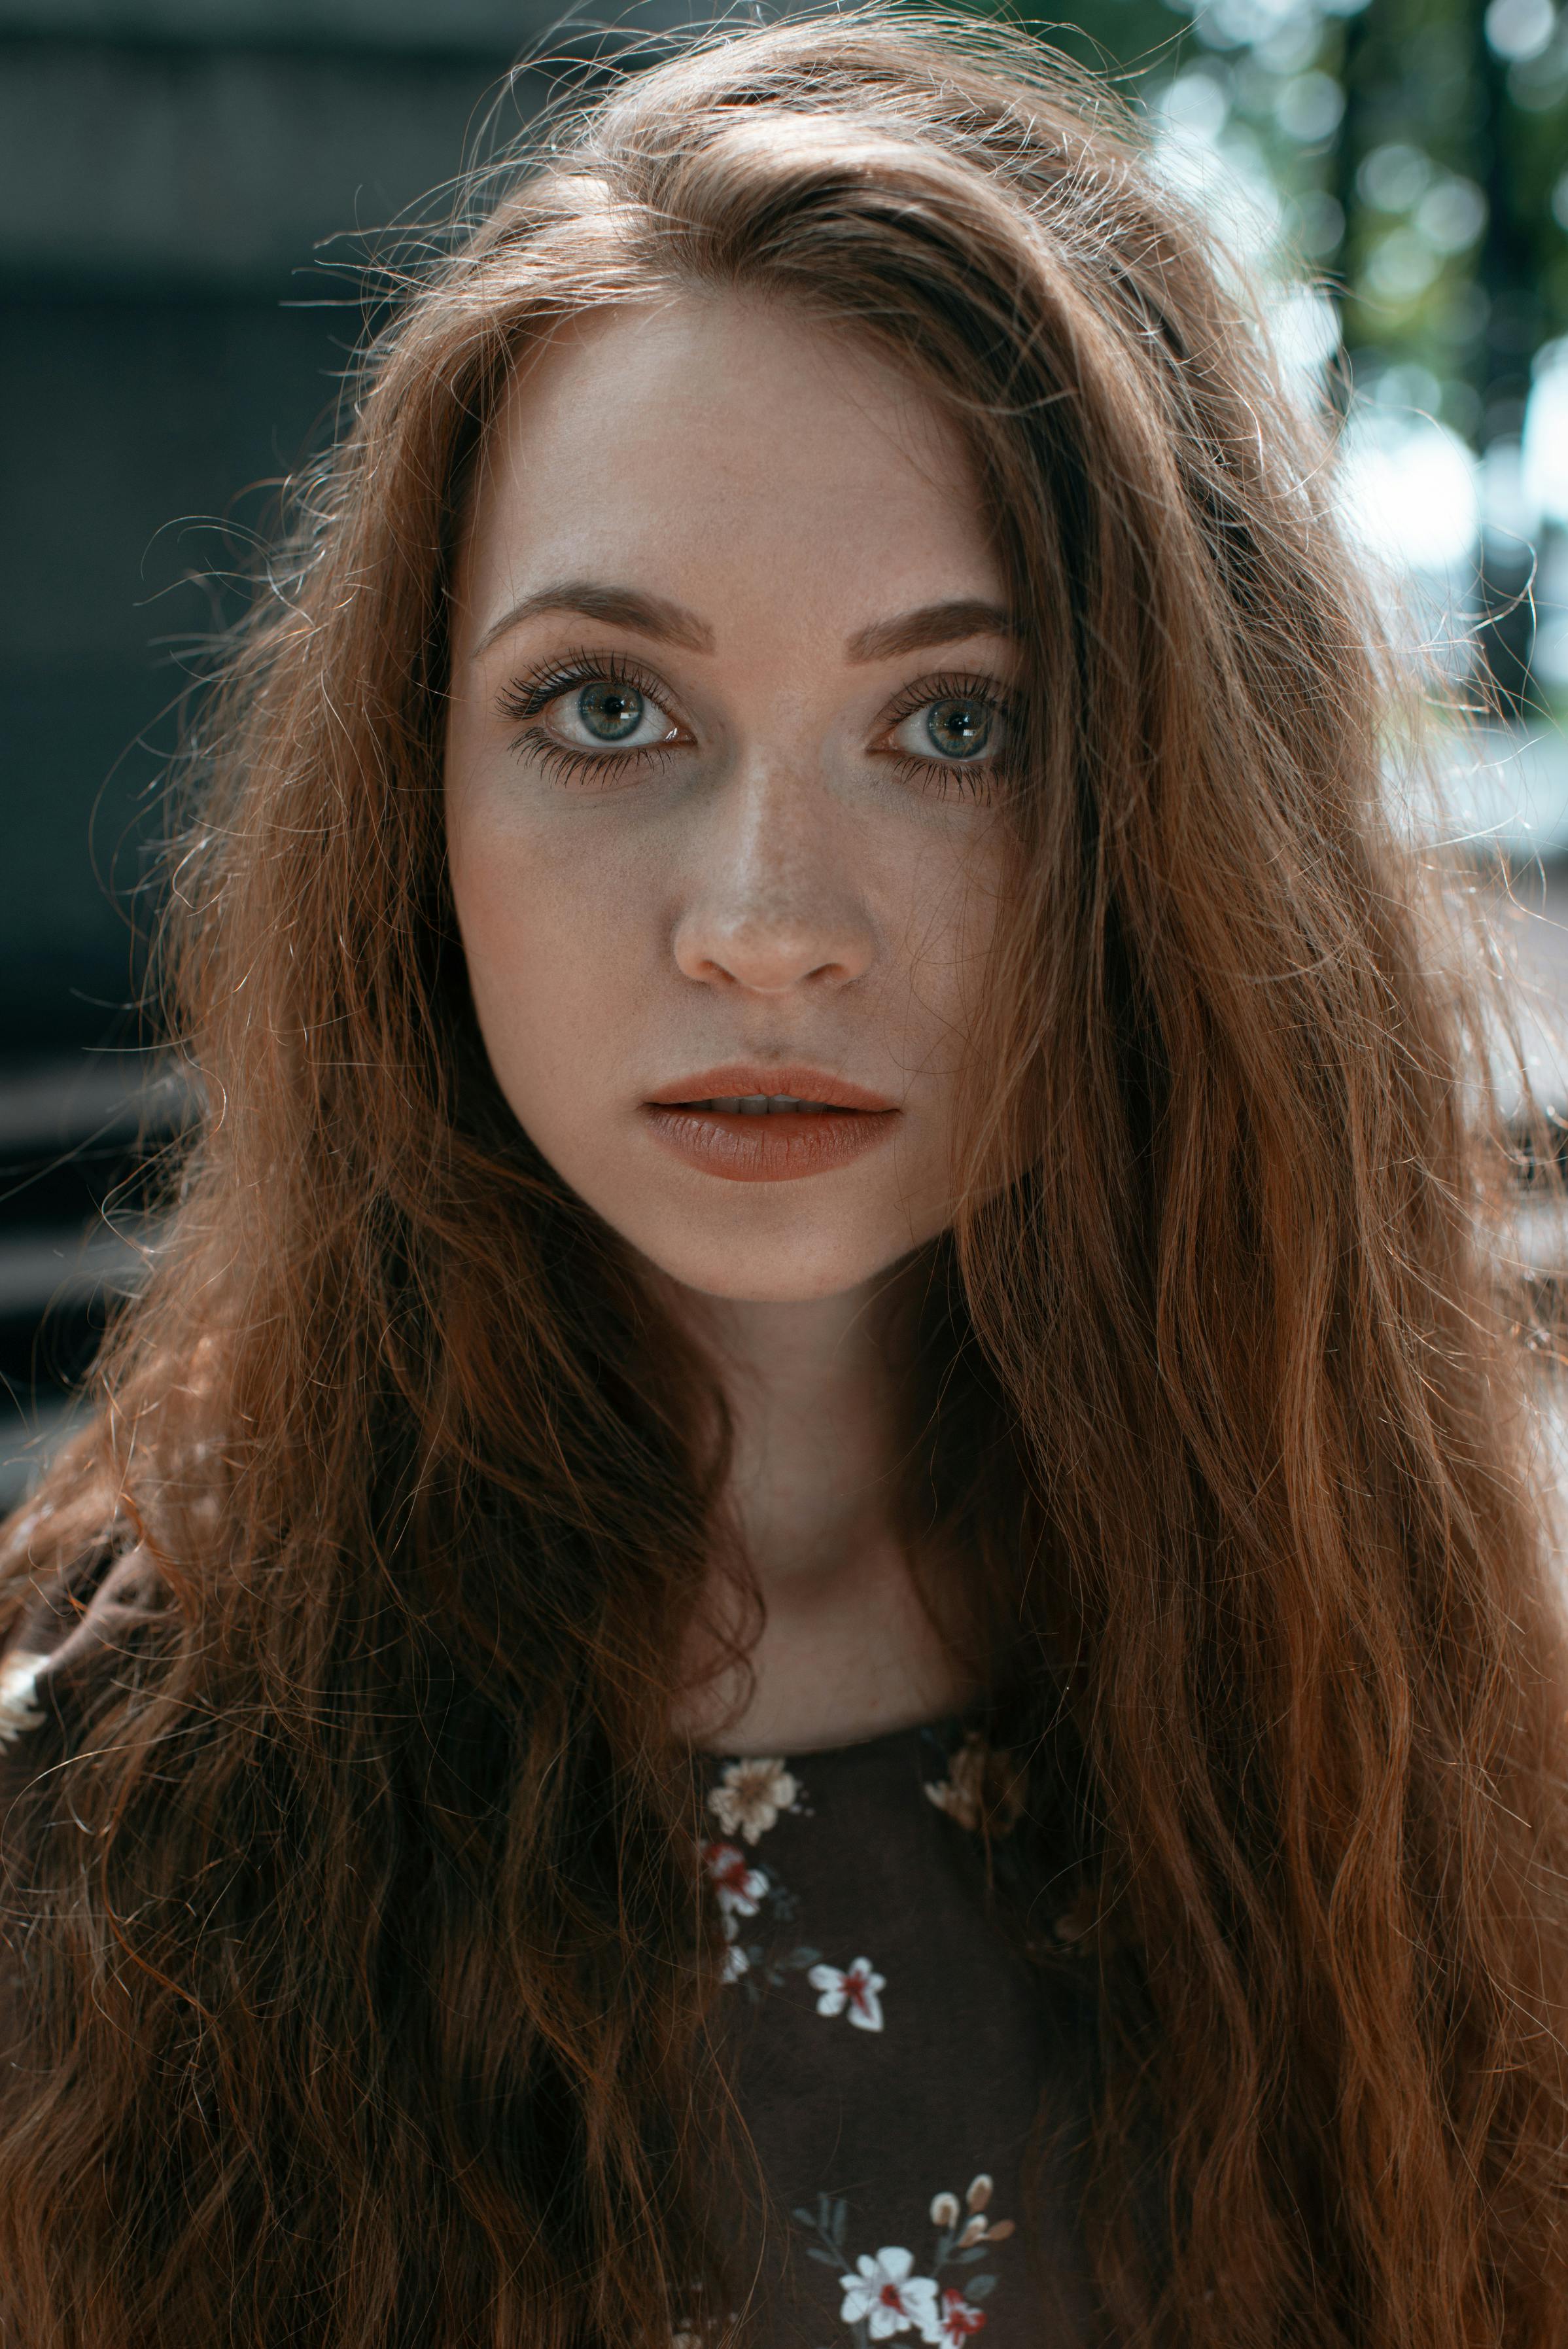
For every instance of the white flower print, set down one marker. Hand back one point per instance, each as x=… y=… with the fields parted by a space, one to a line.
x=750 y=1794
x=889 y=2298
x=852 y=1992
x=737 y=1885
x=736 y=1960
x=18 y=1680
x=886 y=2298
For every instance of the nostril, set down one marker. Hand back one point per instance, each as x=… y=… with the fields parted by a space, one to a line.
x=817 y=939
x=767 y=960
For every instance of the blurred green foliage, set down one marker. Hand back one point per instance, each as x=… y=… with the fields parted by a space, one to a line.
x=1420 y=147
x=1408 y=159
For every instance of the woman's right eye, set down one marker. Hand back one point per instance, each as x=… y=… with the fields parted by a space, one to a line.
x=608 y=714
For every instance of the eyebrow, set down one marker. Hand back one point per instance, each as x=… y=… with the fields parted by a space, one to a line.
x=922 y=630
x=621 y=608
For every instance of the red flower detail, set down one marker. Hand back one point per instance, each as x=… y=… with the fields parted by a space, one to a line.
x=738 y=1885
x=958 y=2319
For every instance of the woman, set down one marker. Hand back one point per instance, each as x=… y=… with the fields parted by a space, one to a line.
x=803 y=1606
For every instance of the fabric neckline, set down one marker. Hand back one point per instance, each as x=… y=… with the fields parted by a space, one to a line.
x=943 y=1728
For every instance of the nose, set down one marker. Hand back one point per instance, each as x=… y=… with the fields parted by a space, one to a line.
x=776 y=901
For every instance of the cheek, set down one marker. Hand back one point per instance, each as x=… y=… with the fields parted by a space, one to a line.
x=549 y=953
x=950 y=899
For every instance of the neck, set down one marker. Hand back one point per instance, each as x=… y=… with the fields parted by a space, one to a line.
x=817 y=1396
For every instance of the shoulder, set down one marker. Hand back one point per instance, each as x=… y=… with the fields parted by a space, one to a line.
x=72 y=1630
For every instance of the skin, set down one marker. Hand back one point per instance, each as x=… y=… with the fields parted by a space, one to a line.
x=784 y=867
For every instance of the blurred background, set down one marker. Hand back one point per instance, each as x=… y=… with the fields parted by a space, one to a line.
x=183 y=189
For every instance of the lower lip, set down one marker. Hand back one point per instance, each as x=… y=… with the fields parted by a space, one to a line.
x=772 y=1149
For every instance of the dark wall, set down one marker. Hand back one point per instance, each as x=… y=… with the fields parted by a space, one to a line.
x=123 y=424
x=181 y=186
x=172 y=325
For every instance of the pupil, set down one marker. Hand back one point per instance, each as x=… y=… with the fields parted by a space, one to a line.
x=958 y=729
x=610 y=711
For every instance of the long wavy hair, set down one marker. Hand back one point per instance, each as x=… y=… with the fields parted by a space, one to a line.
x=361 y=1965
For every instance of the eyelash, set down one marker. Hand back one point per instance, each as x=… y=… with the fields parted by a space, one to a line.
x=527 y=696
x=966 y=775
x=566 y=762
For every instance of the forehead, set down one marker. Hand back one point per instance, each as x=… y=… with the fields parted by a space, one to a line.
x=716 y=449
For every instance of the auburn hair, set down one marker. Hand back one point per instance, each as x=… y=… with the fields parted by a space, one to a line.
x=360 y=1962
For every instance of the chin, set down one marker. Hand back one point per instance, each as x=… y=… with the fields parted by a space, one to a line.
x=769 y=1275
x=826 y=1255
x=765 y=1287
x=753 y=1243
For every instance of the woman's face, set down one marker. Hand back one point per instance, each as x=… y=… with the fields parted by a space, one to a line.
x=730 y=670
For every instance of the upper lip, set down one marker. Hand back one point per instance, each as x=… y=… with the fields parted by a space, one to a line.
x=744 y=1078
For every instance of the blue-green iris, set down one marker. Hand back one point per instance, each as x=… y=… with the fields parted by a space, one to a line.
x=610 y=712
x=959 y=726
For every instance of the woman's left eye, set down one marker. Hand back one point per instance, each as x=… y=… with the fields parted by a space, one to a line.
x=952 y=729
x=608 y=714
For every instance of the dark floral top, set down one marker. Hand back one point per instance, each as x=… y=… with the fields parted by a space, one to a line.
x=907 y=2012
x=893 y=2048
